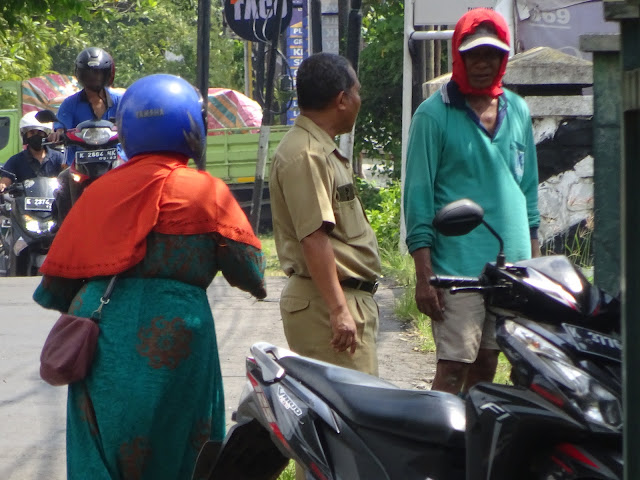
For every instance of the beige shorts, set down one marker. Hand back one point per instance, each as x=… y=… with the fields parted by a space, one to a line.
x=467 y=327
x=305 y=317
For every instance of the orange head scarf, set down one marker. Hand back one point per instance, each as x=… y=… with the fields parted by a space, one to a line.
x=466 y=26
x=105 y=232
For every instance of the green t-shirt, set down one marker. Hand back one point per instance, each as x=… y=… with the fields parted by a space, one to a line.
x=451 y=156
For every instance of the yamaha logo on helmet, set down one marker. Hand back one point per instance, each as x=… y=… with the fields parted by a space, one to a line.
x=153 y=112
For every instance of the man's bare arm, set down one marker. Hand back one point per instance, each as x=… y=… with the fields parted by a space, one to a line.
x=320 y=259
x=428 y=299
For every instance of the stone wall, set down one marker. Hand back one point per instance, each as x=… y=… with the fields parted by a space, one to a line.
x=565 y=168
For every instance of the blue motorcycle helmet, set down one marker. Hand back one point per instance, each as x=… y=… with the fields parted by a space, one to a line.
x=162 y=113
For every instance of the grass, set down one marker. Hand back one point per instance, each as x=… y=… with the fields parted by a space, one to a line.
x=272 y=268
x=400 y=267
x=289 y=472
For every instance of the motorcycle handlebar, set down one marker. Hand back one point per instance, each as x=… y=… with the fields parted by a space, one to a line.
x=443 y=281
x=8 y=174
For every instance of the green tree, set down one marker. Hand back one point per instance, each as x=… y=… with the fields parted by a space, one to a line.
x=158 y=38
x=12 y=12
x=379 y=128
x=28 y=29
x=143 y=36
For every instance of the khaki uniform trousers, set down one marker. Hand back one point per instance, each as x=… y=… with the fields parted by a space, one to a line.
x=305 y=317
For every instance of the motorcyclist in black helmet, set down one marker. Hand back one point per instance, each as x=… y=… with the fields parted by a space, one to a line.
x=95 y=71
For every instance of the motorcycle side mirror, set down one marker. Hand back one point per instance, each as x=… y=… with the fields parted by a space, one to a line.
x=46 y=116
x=458 y=218
x=461 y=217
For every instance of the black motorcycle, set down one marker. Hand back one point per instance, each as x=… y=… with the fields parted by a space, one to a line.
x=28 y=225
x=561 y=419
x=96 y=143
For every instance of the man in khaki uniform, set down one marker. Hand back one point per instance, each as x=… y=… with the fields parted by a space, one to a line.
x=324 y=241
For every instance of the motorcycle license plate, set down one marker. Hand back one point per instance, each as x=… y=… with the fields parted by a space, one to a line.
x=107 y=154
x=35 y=203
x=593 y=342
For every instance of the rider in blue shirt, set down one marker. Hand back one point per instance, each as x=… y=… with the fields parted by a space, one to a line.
x=36 y=160
x=95 y=71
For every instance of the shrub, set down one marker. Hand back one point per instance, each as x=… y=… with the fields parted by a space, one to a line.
x=385 y=219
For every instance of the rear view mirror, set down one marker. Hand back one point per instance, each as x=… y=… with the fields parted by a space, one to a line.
x=458 y=218
x=46 y=116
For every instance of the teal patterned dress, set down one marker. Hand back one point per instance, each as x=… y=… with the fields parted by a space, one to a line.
x=154 y=395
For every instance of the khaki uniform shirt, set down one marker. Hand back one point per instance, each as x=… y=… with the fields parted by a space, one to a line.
x=311 y=184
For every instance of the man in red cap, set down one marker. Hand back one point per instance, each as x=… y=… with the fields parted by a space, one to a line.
x=471 y=139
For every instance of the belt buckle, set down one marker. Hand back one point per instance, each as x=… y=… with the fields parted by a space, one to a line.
x=375 y=288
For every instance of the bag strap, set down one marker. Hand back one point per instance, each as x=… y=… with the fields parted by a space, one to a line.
x=97 y=314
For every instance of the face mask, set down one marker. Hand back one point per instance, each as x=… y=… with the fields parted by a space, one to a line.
x=35 y=142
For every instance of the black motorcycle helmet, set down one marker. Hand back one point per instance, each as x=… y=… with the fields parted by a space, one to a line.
x=94 y=58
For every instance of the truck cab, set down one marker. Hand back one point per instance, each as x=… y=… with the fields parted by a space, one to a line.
x=10 y=114
x=10 y=142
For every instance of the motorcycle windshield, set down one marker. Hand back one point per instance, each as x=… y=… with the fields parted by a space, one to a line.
x=567 y=282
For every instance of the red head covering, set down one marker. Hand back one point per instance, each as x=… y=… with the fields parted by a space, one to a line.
x=106 y=230
x=466 y=26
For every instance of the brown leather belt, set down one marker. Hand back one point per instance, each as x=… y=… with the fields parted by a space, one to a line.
x=370 y=287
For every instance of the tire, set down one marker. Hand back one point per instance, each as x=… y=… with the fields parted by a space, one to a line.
x=18 y=264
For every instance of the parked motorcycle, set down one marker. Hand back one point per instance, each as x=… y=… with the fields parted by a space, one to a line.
x=27 y=225
x=96 y=154
x=562 y=418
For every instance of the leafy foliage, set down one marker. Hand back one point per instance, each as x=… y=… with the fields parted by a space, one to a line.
x=12 y=12
x=385 y=219
x=24 y=47
x=379 y=128
x=158 y=39
x=369 y=194
x=143 y=36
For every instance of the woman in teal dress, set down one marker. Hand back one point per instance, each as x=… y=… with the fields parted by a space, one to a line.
x=154 y=395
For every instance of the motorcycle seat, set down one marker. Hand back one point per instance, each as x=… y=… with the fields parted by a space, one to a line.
x=369 y=402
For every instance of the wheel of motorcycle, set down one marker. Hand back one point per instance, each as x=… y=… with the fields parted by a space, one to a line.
x=4 y=263
x=18 y=264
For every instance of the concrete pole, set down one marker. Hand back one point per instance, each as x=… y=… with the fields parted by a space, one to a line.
x=407 y=86
x=265 y=127
x=407 y=83
x=628 y=14
x=606 y=153
x=315 y=22
x=202 y=67
x=352 y=53
x=630 y=30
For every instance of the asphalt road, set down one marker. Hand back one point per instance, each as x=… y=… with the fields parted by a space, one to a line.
x=33 y=414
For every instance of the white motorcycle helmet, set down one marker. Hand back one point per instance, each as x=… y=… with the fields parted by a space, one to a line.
x=30 y=122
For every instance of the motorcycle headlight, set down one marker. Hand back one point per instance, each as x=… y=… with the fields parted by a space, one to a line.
x=597 y=403
x=584 y=392
x=53 y=183
x=36 y=226
x=31 y=224
x=96 y=136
